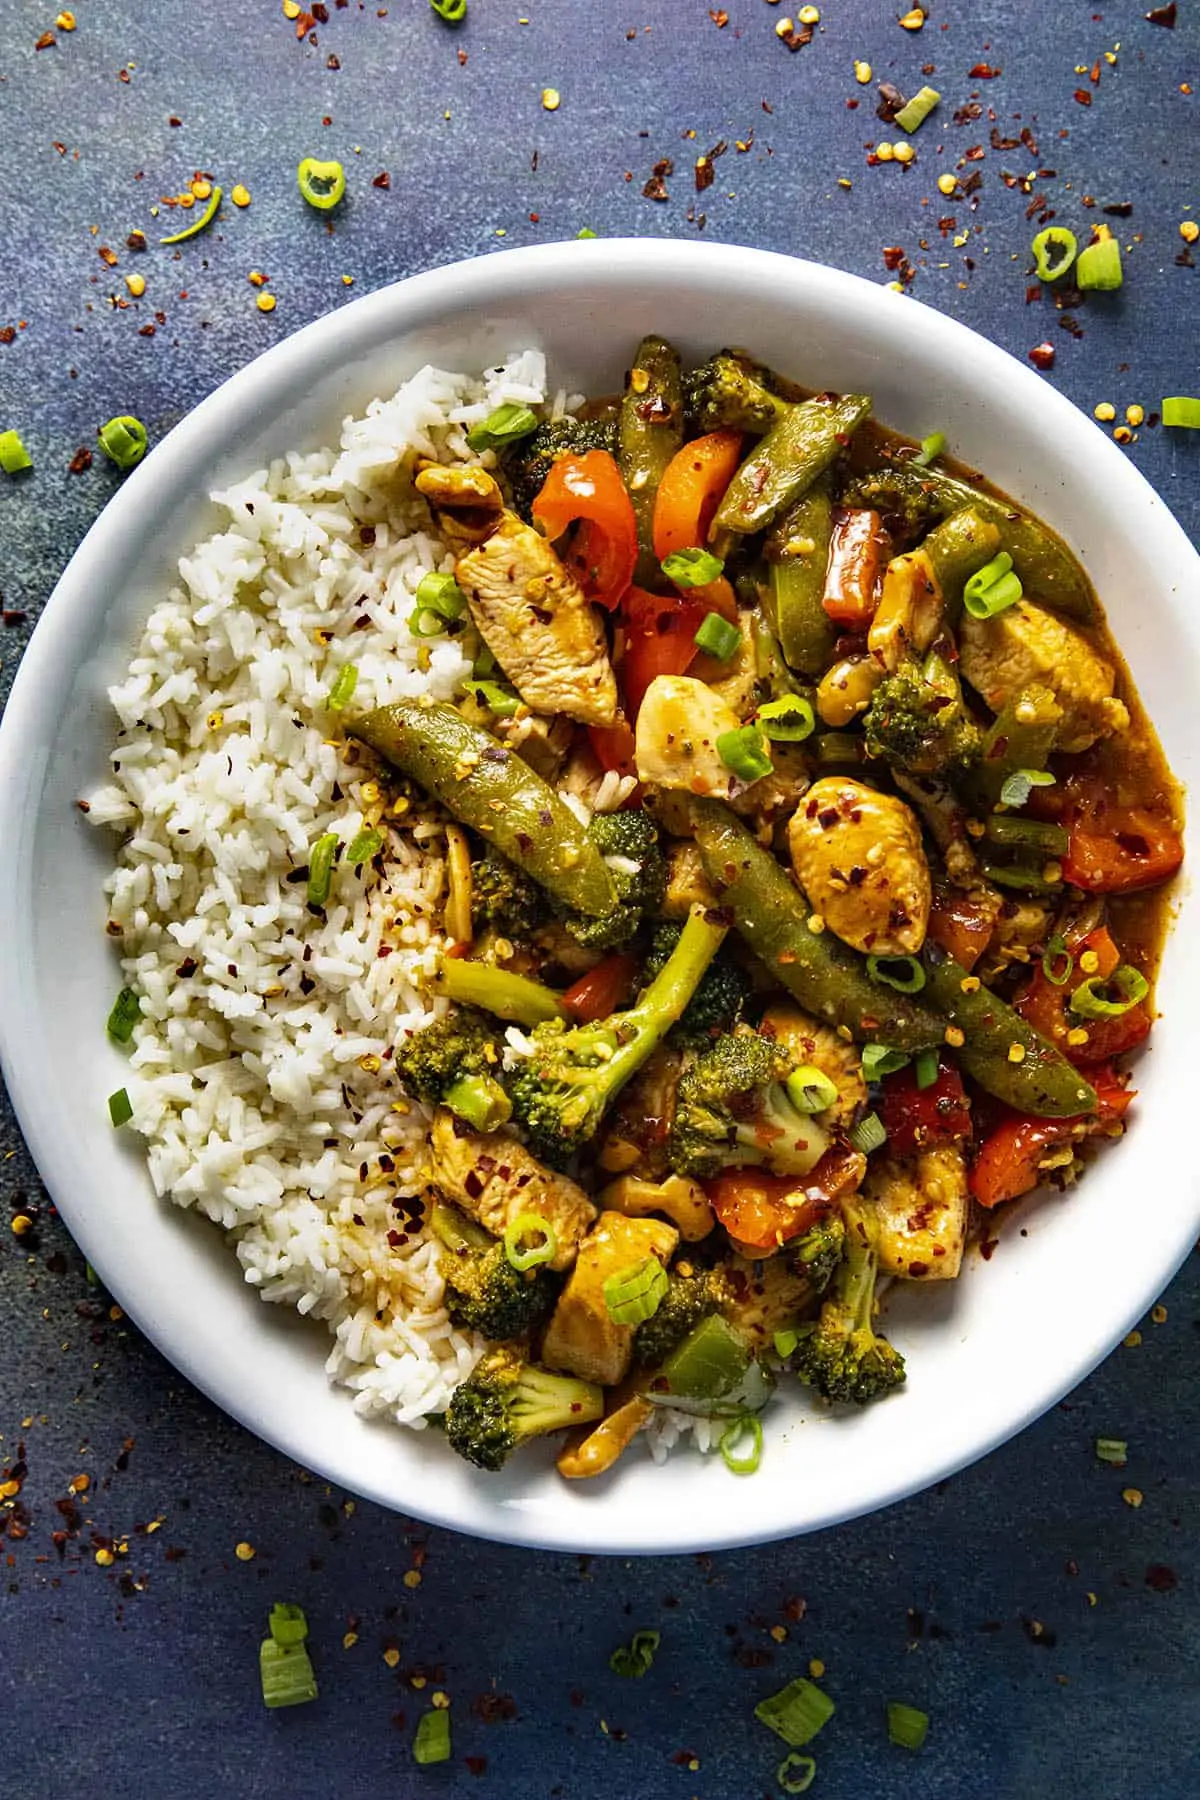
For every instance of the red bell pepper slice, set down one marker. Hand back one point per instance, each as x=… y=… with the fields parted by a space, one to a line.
x=1116 y=849
x=1046 y=1007
x=603 y=989
x=1008 y=1163
x=761 y=1212
x=918 y=1118
x=961 y=926
x=603 y=550
x=660 y=632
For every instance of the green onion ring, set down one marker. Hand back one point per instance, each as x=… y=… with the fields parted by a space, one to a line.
x=1090 y=1002
x=904 y=973
x=742 y=1462
x=526 y=1225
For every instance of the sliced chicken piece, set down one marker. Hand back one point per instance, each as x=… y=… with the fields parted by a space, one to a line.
x=909 y=612
x=495 y=1179
x=678 y=724
x=776 y=796
x=687 y=884
x=1025 y=646
x=582 y=1337
x=921 y=1206
x=530 y=610
x=858 y=856
x=765 y=1295
x=808 y=1041
x=543 y=743
x=736 y=679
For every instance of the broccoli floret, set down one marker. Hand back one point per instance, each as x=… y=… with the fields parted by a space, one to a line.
x=917 y=721
x=562 y=1089
x=817 y=1254
x=503 y=897
x=907 y=505
x=731 y=1108
x=688 y=1299
x=458 y=1047
x=718 y=1002
x=505 y=1401
x=841 y=1354
x=527 y=463
x=639 y=875
x=730 y=392
x=483 y=1291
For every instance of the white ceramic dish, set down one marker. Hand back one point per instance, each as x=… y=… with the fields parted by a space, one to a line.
x=978 y=1373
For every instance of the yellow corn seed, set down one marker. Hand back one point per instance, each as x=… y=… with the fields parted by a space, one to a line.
x=202 y=189
x=1159 y=1314
x=104 y=1558
x=391 y=1657
x=816 y=1668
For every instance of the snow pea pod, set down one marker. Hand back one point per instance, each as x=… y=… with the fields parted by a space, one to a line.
x=784 y=464
x=496 y=793
x=797 y=553
x=827 y=977
x=1021 y=736
x=649 y=432
x=1039 y=1081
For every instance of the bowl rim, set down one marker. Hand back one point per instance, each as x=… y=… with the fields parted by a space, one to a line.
x=495 y=279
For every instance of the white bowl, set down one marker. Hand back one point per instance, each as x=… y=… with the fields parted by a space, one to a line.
x=986 y=1354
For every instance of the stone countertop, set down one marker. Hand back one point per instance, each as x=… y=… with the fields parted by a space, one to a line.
x=1048 y=1625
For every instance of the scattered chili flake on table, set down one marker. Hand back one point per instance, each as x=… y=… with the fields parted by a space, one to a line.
x=1042 y=356
x=81 y=461
x=46 y=41
x=382 y=180
x=1083 y=97
x=720 y=18
x=1163 y=15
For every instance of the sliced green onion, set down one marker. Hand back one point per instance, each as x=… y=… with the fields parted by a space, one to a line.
x=993 y=588
x=123 y=440
x=1182 y=412
x=931 y=448
x=432 y=1742
x=879 y=1060
x=788 y=720
x=632 y=1660
x=366 y=845
x=322 y=184
x=1024 y=877
x=869 y=1134
x=1027 y=834
x=342 y=691
x=717 y=637
x=286 y=1674
x=527 y=1256
x=1057 y=961
x=1054 y=251
x=452 y=12
x=691 y=568
x=785 y=1342
x=926 y=1069
x=504 y=426
x=635 y=1294
x=498 y=700
x=124 y=1016
x=1021 y=783
x=796 y=1713
x=13 y=455
x=796 y=1773
x=907 y=1725
x=320 y=868
x=904 y=973
x=744 y=752
x=917 y=110
x=585 y=231
x=480 y=1100
x=120 y=1108
x=810 y=1089
x=1099 y=266
x=1091 y=1001
x=738 y=1457
x=288 y=1623
x=199 y=224
x=1112 y=1450
x=441 y=594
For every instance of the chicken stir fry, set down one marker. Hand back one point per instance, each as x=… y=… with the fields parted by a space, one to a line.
x=792 y=814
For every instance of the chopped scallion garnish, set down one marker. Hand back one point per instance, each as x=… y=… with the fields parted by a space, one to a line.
x=788 y=720
x=1092 y=998
x=717 y=637
x=741 y=1444
x=288 y=1623
x=498 y=700
x=1021 y=783
x=585 y=231
x=198 y=224
x=503 y=426
x=904 y=973
x=451 y=12
x=1099 y=266
x=342 y=691
x=931 y=448
x=744 y=752
x=632 y=1295
x=120 y=1109
x=925 y=1068
x=785 y=1342
x=320 y=868
x=810 y=1089
x=993 y=588
x=124 y=439
x=907 y=1725
x=432 y=1742
x=1053 y=252
x=524 y=1255
x=124 y=1016
x=440 y=595
x=13 y=455
x=286 y=1673
x=691 y=568
x=869 y=1134
x=1181 y=412
x=796 y=1713
x=917 y=110
x=322 y=184
x=1112 y=1450
x=367 y=844
x=632 y=1660
x=1057 y=961
x=879 y=1060
x=796 y=1773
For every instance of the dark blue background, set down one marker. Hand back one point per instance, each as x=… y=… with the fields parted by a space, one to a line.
x=1053 y=1631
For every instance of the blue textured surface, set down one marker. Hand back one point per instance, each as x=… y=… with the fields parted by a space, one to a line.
x=1056 y=1642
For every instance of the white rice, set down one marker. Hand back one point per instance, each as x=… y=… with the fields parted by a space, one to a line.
x=259 y=1075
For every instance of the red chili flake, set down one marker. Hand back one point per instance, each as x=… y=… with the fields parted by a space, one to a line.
x=7 y=334
x=46 y=41
x=797 y=38
x=1083 y=97
x=123 y=75
x=1159 y=1576
x=893 y=256
x=891 y=101
x=766 y=106
x=795 y=1609
x=1042 y=356
x=304 y=24
x=965 y=114
x=1033 y=293
x=477 y=1765
x=107 y=256
x=1003 y=143
x=382 y=180
x=720 y=18
x=11 y=618
x=81 y=460
x=174 y=121
x=983 y=72
x=494 y=1709
x=1163 y=15
x=705 y=173
x=1029 y=141
x=331 y=62
x=535 y=218
x=320 y=13
x=683 y=1759
x=976 y=153
x=1118 y=209
x=61 y=148
x=136 y=241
